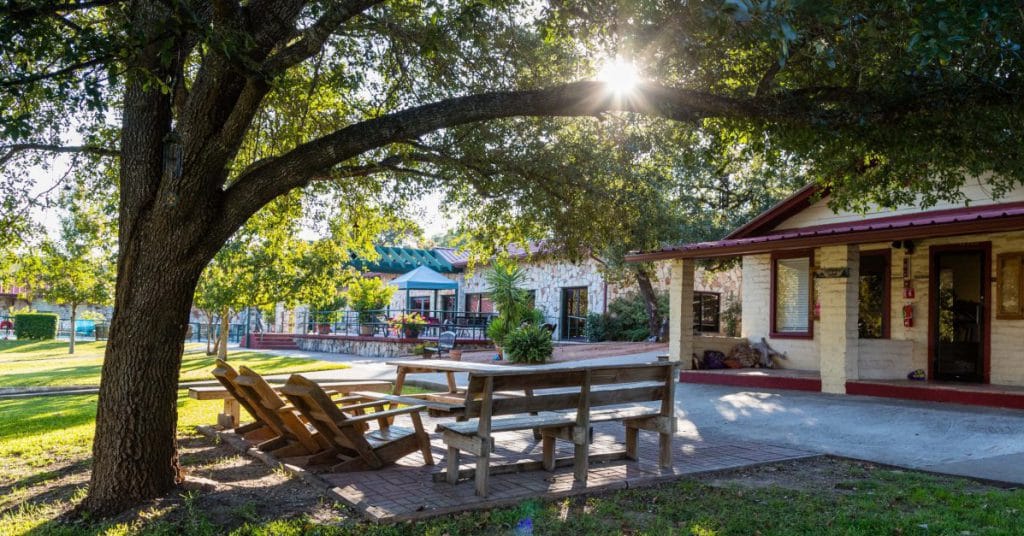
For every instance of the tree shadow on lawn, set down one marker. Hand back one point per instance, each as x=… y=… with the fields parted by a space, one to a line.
x=28 y=416
x=224 y=491
x=31 y=346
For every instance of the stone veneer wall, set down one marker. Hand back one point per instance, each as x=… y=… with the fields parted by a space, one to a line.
x=547 y=277
x=367 y=346
x=907 y=348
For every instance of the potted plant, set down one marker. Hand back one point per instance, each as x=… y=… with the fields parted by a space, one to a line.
x=509 y=298
x=529 y=344
x=408 y=324
x=368 y=297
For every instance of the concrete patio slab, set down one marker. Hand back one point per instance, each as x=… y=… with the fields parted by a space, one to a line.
x=961 y=440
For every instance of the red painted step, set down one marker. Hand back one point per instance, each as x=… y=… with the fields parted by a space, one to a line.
x=272 y=341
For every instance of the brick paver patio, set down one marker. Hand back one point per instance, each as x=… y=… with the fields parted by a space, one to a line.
x=410 y=490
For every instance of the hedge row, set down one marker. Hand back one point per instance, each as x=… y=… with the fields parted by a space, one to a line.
x=35 y=326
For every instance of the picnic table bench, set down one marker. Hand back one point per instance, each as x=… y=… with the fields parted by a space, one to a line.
x=572 y=397
x=231 y=414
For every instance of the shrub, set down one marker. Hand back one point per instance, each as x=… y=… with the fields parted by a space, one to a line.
x=595 y=330
x=627 y=317
x=732 y=315
x=36 y=326
x=95 y=316
x=496 y=331
x=528 y=344
x=368 y=297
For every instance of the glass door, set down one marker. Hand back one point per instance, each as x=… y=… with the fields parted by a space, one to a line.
x=574 y=312
x=959 y=296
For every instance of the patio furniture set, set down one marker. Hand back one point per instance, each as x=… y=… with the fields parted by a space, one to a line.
x=333 y=422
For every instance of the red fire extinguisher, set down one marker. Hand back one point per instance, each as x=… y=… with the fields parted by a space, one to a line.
x=908 y=316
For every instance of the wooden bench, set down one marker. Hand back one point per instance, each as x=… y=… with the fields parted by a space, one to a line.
x=571 y=399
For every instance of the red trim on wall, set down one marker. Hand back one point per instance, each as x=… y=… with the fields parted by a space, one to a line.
x=809 y=334
x=986 y=288
x=743 y=380
x=937 y=392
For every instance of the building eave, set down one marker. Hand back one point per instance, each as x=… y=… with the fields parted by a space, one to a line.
x=953 y=222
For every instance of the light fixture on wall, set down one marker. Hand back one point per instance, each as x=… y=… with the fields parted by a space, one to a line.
x=906 y=245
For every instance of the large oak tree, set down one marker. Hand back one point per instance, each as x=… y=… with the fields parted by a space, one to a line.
x=212 y=109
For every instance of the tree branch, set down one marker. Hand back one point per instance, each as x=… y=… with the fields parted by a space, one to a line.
x=11 y=82
x=312 y=39
x=17 y=10
x=10 y=151
x=267 y=179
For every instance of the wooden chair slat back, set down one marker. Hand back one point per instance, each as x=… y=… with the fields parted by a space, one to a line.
x=311 y=400
x=255 y=383
x=246 y=382
x=227 y=375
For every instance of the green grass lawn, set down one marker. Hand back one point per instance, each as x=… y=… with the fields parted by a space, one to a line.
x=45 y=447
x=47 y=363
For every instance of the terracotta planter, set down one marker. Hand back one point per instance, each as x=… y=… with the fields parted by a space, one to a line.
x=456 y=355
x=323 y=329
x=366 y=330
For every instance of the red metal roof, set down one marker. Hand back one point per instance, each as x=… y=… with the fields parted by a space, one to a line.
x=950 y=222
x=766 y=221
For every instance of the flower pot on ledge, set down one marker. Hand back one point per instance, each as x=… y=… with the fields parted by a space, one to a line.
x=410 y=333
x=366 y=330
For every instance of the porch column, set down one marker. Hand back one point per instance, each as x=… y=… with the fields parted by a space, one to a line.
x=837 y=283
x=680 y=317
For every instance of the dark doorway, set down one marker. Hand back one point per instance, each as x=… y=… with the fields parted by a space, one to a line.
x=574 y=312
x=959 y=323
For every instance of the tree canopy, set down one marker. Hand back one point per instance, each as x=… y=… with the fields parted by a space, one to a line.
x=209 y=111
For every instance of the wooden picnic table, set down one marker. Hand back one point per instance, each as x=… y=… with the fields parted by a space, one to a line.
x=573 y=396
x=231 y=414
x=452 y=403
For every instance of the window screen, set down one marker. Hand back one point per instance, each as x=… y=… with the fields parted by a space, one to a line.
x=792 y=295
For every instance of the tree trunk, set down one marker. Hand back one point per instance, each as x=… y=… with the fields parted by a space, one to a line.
x=225 y=328
x=135 y=450
x=71 y=334
x=643 y=280
x=163 y=245
x=211 y=347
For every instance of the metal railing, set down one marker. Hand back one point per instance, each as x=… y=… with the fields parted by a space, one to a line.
x=466 y=325
x=201 y=333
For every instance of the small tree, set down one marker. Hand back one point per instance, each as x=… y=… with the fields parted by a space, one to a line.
x=505 y=280
x=75 y=267
x=368 y=296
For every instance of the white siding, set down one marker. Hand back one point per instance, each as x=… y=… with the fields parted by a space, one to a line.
x=820 y=213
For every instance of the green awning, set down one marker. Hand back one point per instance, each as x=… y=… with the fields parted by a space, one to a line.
x=397 y=260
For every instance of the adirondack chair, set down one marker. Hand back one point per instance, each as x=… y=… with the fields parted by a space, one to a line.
x=445 y=342
x=226 y=375
x=293 y=436
x=357 y=449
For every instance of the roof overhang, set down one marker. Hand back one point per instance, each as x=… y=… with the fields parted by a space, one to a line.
x=941 y=223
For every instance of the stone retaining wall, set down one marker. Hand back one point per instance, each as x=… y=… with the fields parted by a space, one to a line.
x=371 y=346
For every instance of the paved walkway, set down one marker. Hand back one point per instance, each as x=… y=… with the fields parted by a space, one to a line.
x=947 y=438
